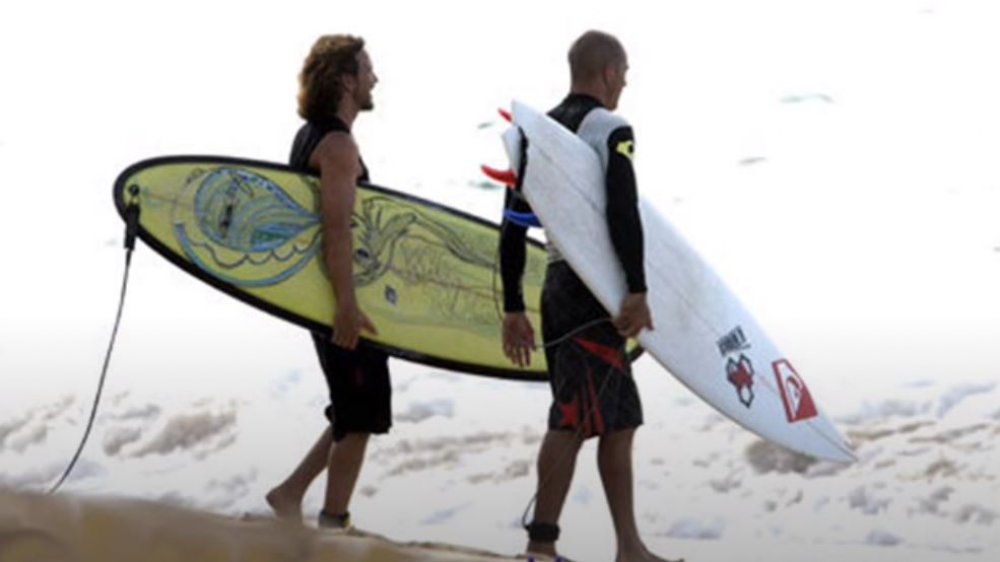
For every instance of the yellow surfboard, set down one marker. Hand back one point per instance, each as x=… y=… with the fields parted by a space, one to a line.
x=427 y=275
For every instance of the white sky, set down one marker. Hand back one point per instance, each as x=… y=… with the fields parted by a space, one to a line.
x=865 y=239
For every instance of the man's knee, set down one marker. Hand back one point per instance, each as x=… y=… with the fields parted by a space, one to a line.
x=564 y=439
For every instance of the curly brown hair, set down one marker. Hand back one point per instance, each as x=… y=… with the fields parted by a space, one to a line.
x=320 y=86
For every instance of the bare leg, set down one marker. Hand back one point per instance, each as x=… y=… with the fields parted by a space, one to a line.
x=346 y=457
x=614 y=461
x=285 y=499
x=556 y=463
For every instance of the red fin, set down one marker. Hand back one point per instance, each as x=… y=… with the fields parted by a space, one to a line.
x=506 y=177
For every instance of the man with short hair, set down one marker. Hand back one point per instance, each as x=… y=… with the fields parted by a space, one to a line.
x=594 y=393
x=336 y=84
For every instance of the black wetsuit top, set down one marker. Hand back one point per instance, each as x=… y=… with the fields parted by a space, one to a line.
x=622 y=211
x=309 y=137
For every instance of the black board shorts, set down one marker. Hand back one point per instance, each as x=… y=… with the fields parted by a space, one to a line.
x=589 y=371
x=360 y=390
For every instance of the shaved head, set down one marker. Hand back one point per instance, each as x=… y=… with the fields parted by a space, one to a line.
x=591 y=53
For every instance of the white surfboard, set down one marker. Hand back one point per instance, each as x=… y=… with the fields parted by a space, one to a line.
x=703 y=335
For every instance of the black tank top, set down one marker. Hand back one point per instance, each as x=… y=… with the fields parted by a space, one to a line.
x=309 y=137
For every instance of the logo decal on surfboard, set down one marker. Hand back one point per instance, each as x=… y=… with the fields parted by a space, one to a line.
x=740 y=374
x=732 y=342
x=798 y=402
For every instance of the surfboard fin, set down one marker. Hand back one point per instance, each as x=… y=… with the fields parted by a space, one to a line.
x=506 y=177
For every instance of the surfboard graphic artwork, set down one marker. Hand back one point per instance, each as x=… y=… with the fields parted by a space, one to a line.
x=704 y=336
x=426 y=274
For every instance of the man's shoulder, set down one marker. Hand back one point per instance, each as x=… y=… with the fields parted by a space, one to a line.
x=338 y=142
x=336 y=149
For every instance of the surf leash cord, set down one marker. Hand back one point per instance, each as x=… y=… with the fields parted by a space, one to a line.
x=131 y=230
x=544 y=479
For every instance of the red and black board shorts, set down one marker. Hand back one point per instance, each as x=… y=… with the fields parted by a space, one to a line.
x=589 y=371
x=360 y=390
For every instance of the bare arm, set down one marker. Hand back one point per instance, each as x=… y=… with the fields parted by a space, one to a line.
x=336 y=158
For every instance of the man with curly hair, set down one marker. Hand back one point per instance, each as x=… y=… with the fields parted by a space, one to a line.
x=336 y=85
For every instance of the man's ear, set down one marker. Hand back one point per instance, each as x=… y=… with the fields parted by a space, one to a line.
x=608 y=74
x=349 y=82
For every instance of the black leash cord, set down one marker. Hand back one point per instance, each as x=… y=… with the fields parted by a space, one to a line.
x=131 y=229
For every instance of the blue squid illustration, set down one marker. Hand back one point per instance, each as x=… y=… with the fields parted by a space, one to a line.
x=242 y=228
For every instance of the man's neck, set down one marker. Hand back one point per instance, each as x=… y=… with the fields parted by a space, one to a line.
x=347 y=112
x=596 y=91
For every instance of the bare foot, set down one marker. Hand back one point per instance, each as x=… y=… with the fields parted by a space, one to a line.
x=284 y=505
